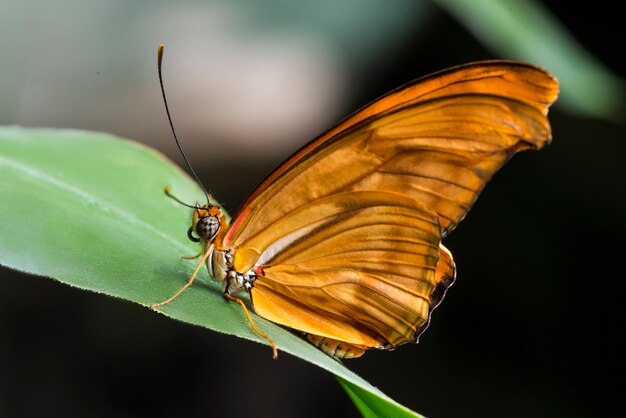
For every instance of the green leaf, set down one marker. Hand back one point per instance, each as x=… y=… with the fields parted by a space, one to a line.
x=88 y=210
x=370 y=404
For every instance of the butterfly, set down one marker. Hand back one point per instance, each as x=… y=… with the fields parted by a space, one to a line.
x=343 y=241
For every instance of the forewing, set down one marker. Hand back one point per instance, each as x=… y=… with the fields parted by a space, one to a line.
x=438 y=140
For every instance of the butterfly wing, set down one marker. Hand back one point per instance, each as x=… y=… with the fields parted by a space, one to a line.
x=367 y=266
x=347 y=231
x=529 y=88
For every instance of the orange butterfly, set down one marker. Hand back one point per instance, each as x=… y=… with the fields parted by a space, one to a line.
x=342 y=242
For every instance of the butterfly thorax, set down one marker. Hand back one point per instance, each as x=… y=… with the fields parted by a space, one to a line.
x=220 y=265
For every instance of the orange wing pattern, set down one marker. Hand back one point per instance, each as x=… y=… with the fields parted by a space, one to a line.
x=347 y=231
x=528 y=88
x=364 y=274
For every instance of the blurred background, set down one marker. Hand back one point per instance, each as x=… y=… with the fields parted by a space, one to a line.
x=533 y=325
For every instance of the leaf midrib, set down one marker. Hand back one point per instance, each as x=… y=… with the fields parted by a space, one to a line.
x=102 y=205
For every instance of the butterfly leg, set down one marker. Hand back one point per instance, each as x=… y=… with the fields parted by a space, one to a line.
x=254 y=328
x=192 y=257
x=207 y=253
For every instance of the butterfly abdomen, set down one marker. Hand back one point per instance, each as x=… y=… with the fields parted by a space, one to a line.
x=335 y=348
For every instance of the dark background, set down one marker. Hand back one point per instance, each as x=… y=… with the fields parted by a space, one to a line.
x=532 y=327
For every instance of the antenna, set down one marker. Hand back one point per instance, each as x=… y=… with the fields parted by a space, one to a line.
x=167 y=110
x=171 y=196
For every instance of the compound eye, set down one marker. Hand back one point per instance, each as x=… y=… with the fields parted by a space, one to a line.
x=207 y=227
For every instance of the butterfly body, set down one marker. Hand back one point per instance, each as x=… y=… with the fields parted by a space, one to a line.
x=342 y=242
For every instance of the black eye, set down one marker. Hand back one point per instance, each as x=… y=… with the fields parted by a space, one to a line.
x=207 y=227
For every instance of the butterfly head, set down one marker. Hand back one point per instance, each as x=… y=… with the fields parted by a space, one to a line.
x=205 y=223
